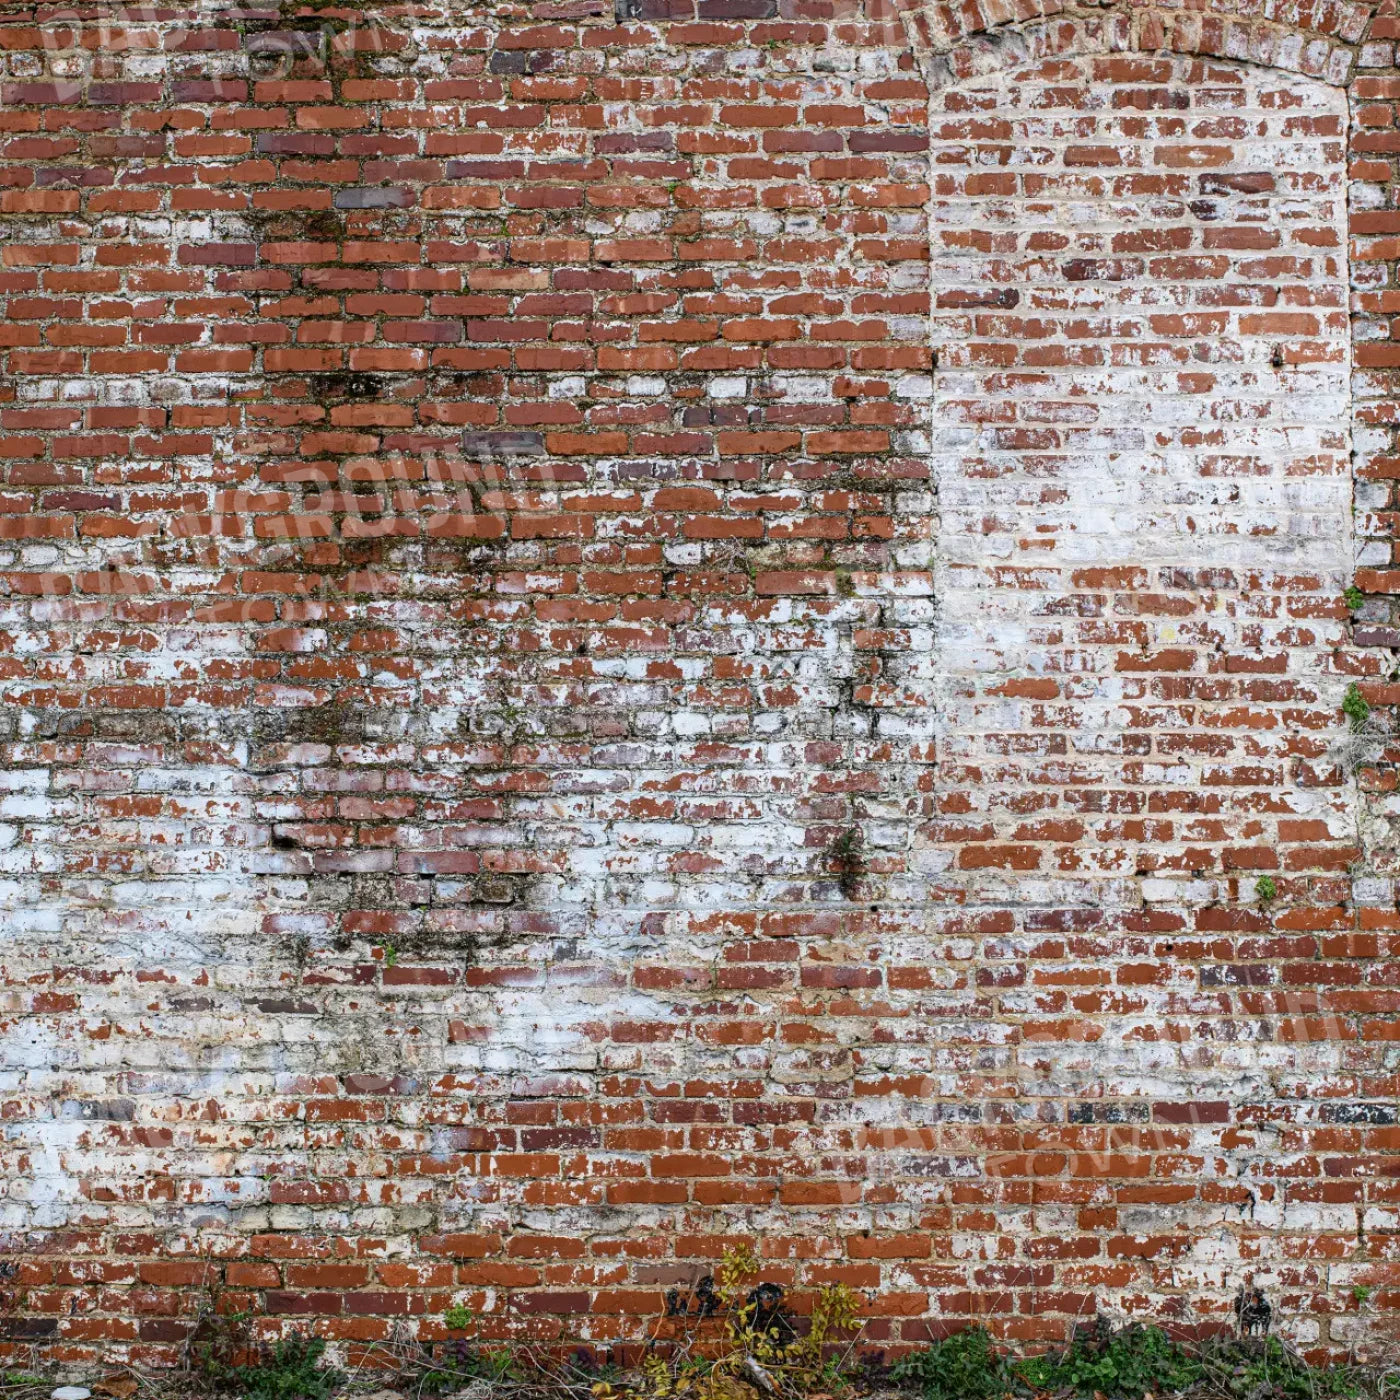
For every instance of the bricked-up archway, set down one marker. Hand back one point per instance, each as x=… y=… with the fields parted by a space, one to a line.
x=1139 y=301
x=473 y=821
x=1142 y=455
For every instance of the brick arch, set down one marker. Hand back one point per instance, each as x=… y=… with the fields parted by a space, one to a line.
x=953 y=44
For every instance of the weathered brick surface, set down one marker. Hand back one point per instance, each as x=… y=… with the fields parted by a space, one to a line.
x=1141 y=453
x=618 y=636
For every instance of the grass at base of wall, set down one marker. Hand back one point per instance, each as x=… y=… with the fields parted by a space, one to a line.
x=746 y=1346
x=1131 y=1361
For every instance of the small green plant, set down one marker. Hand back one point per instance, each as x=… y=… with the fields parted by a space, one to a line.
x=1274 y=1371
x=499 y=1366
x=450 y=1369
x=847 y=854
x=290 y=1370
x=1354 y=597
x=1265 y=888
x=457 y=1318
x=218 y=1346
x=1354 y=706
x=1128 y=1362
x=444 y=1368
x=1360 y=1293
x=391 y=955
x=961 y=1367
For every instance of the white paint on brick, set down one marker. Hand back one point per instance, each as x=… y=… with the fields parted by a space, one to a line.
x=1194 y=453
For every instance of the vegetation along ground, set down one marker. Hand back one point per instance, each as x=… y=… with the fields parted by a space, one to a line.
x=735 y=1336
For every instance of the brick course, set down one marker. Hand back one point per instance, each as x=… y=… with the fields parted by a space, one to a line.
x=625 y=631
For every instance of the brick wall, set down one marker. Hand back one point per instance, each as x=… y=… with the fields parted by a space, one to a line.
x=623 y=636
